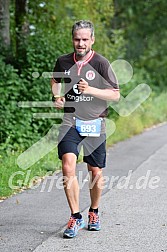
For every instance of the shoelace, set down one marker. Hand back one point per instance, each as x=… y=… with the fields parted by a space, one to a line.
x=71 y=222
x=93 y=218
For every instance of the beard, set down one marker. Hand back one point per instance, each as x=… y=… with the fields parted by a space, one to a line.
x=81 y=54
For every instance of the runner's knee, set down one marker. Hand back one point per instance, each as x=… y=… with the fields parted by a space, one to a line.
x=68 y=164
x=95 y=172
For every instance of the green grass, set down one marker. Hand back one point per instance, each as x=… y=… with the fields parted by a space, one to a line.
x=152 y=112
x=14 y=179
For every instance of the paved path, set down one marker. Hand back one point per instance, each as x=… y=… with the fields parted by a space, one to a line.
x=133 y=208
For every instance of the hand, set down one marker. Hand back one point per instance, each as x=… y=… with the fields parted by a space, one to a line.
x=83 y=86
x=59 y=103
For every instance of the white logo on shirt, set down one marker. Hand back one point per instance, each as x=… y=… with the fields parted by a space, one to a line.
x=81 y=98
x=76 y=90
x=90 y=75
x=67 y=72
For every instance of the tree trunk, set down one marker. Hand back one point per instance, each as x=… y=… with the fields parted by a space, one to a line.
x=21 y=29
x=4 y=23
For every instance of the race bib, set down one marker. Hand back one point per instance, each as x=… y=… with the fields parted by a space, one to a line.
x=89 y=128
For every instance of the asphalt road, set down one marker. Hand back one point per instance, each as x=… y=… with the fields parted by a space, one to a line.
x=133 y=208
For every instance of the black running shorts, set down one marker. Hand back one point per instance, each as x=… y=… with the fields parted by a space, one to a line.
x=94 y=147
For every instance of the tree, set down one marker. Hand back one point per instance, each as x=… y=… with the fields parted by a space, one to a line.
x=4 y=24
x=144 y=26
x=22 y=30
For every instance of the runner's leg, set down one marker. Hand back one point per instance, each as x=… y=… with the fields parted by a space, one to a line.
x=68 y=152
x=95 y=157
x=96 y=185
x=71 y=186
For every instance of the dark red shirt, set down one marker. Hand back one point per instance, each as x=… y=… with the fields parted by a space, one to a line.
x=97 y=71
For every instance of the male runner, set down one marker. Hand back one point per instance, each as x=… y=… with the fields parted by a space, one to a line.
x=89 y=84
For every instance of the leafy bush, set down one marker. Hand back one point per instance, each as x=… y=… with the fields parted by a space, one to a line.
x=18 y=128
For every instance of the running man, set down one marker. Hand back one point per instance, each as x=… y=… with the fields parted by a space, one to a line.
x=89 y=84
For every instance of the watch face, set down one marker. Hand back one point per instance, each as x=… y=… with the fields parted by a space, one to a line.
x=53 y=99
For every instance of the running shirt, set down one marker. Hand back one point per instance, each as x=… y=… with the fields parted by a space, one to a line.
x=96 y=70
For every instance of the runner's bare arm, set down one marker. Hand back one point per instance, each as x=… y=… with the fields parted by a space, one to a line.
x=104 y=94
x=56 y=87
x=56 y=90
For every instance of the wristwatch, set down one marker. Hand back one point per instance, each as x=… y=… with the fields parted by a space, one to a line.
x=55 y=97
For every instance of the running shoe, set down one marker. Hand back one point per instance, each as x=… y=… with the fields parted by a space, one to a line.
x=73 y=226
x=94 y=222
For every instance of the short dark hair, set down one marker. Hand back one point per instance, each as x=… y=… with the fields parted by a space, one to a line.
x=83 y=24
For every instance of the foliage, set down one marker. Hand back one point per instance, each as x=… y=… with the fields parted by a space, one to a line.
x=144 y=26
x=18 y=128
